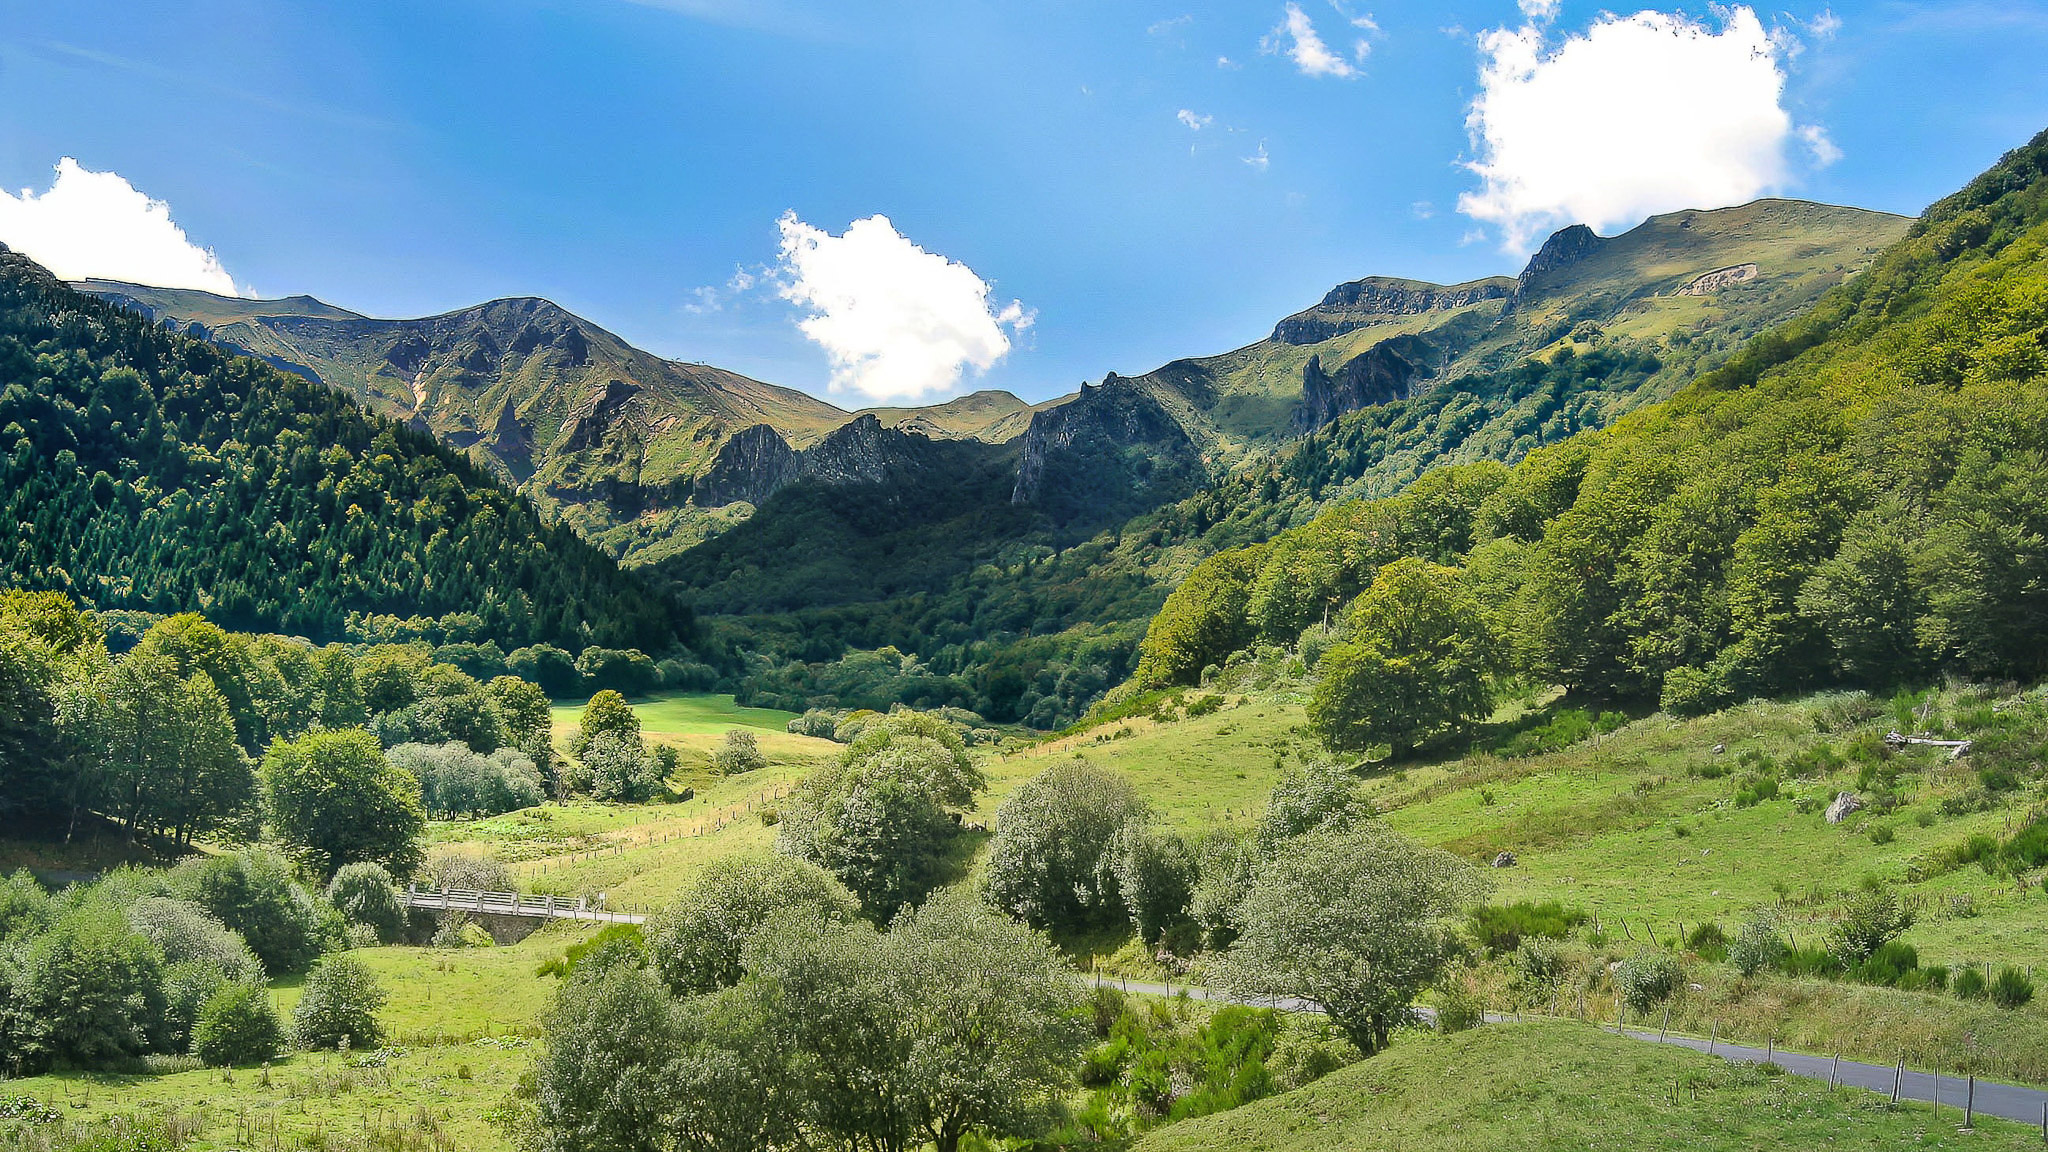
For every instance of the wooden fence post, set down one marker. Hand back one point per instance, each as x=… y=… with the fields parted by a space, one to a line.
x=1970 y=1103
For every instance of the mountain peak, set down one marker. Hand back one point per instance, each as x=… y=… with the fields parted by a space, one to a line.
x=1566 y=246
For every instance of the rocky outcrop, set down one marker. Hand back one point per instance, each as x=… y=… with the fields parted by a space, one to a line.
x=1359 y=303
x=1110 y=450
x=757 y=462
x=1566 y=247
x=1708 y=283
x=596 y=415
x=1386 y=372
x=749 y=467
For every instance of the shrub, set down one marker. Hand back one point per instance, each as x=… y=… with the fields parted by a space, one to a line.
x=25 y=909
x=87 y=992
x=455 y=781
x=366 y=895
x=1708 y=942
x=2028 y=847
x=1649 y=977
x=1869 y=920
x=613 y=941
x=740 y=752
x=186 y=933
x=340 y=1002
x=1755 y=791
x=1881 y=834
x=1815 y=962
x=461 y=870
x=1969 y=984
x=1457 y=1007
x=1889 y=964
x=254 y=894
x=1691 y=691
x=237 y=1026
x=1539 y=965
x=1758 y=944
x=1501 y=929
x=2011 y=988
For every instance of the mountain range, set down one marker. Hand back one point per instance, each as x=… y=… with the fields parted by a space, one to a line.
x=647 y=455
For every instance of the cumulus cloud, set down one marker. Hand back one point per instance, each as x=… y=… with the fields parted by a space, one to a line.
x=1194 y=120
x=899 y=323
x=1296 y=38
x=96 y=224
x=1639 y=114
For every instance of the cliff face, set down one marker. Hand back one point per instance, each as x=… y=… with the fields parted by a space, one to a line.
x=1349 y=307
x=1111 y=450
x=1566 y=247
x=1386 y=372
x=757 y=462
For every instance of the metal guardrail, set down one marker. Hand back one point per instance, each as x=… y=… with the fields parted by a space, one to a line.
x=514 y=904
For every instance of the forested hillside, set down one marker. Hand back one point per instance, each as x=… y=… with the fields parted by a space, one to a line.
x=151 y=471
x=1859 y=496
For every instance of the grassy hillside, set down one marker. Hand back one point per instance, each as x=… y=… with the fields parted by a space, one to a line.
x=152 y=471
x=1555 y=1085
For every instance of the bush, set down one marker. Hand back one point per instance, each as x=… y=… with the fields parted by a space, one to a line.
x=1889 y=964
x=340 y=1002
x=237 y=1026
x=254 y=894
x=740 y=752
x=186 y=933
x=455 y=781
x=1502 y=929
x=87 y=993
x=366 y=895
x=1691 y=691
x=2011 y=988
x=1649 y=977
x=1869 y=921
x=1969 y=984
x=1708 y=942
x=25 y=909
x=1457 y=1007
x=460 y=870
x=609 y=944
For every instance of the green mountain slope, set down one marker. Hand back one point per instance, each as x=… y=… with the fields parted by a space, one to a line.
x=1860 y=495
x=149 y=470
x=611 y=439
x=1133 y=481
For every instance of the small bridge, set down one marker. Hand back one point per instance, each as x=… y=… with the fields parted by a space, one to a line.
x=514 y=904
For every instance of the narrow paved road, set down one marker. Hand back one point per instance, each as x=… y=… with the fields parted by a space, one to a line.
x=2006 y=1101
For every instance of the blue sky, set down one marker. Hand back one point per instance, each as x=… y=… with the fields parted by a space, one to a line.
x=630 y=160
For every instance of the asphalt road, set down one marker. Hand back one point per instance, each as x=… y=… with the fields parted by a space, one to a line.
x=1990 y=1098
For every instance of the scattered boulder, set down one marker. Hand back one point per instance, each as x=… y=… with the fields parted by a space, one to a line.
x=1720 y=748
x=1846 y=804
x=1504 y=860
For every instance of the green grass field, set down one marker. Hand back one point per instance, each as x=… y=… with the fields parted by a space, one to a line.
x=460 y=1027
x=1554 y=1085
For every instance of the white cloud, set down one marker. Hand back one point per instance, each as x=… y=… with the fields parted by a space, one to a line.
x=1259 y=160
x=1539 y=11
x=95 y=224
x=1639 y=114
x=1296 y=38
x=1825 y=25
x=1194 y=120
x=1227 y=62
x=1816 y=139
x=898 y=322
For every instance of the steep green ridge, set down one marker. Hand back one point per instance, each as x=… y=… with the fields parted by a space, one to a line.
x=1124 y=488
x=149 y=470
x=1859 y=496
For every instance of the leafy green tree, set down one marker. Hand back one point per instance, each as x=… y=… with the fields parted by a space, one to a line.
x=613 y=759
x=25 y=908
x=1044 y=863
x=1861 y=597
x=1985 y=566
x=1358 y=921
x=365 y=894
x=1870 y=920
x=1155 y=873
x=738 y=752
x=1202 y=622
x=991 y=1013
x=696 y=943
x=337 y=693
x=340 y=1003
x=335 y=800
x=185 y=932
x=882 y=818
x=627 y=671
x=237 y=1025
x=547 y=666
x=1419 y=661
x=88 y=992
x=529 y=725
x=255 y=894
x=599 y=1083
x=1317 y=794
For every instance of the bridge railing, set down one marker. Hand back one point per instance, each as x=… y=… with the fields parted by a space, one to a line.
x=512 y=904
